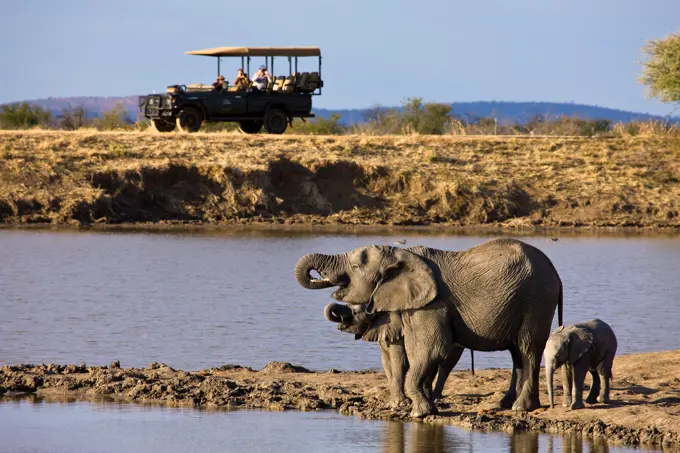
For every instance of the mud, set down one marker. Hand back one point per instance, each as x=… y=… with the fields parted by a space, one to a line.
x=645 y=408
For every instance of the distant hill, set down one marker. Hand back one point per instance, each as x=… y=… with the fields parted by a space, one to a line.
x=516 y=112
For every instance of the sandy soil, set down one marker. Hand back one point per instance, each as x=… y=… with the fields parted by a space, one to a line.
x=645 y=393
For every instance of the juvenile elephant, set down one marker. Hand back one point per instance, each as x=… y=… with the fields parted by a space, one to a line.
x=588 y=346
x=387 y=330
x=499 y=295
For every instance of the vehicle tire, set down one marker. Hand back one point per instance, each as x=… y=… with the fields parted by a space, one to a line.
x=163 y=125
x=189 y=120
x=275 y=121
x=250 y=127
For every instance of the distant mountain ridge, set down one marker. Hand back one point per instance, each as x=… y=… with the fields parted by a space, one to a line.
x=516 y=112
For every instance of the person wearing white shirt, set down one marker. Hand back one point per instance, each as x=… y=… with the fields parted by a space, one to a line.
x=261 y=78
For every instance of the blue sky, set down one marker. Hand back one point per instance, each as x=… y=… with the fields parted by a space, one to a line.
x=375 y=51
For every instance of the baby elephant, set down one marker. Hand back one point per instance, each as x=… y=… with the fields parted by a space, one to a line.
x=588 y=346
x=386 y=329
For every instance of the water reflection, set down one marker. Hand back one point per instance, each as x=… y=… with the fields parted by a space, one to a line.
x=43 y=424
x=400 y=437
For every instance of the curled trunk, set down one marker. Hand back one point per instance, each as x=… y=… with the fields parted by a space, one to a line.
x=339 y=313
x=325 y=265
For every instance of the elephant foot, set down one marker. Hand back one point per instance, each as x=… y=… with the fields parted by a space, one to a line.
x=423 y=409
x=398 y=401
x=578 y=405
x=526 y=404
x=567 y=401
x=592 y=399
x=507 y=401
x=603 y=399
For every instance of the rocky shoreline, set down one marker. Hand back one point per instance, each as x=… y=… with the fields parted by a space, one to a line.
x=645 y=411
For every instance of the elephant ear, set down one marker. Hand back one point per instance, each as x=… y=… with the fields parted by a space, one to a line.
x=385 y=328
x=407 y=282
x=580 y=341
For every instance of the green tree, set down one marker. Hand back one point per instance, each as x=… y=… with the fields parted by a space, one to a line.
x=73 y=118
x=24 y=116
x=661 y=72
x=113 y=119
x=426 y=118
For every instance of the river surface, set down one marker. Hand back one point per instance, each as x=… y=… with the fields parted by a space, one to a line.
x=195 y=301
x=74 y=427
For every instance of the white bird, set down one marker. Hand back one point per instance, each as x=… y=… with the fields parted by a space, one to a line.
x=402 y=242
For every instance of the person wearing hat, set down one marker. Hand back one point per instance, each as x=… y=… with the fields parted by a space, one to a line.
x=219 y=84
x=261 y=78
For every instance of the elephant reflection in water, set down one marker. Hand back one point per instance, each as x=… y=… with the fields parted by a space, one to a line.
x=423 y=438
x=527 y=442
x=427 y=438
x=574 y=443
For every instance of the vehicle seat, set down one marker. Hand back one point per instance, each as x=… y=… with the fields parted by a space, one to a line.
x=278 y=83
x=288 y=85
x=313 y=82
x=302 y=80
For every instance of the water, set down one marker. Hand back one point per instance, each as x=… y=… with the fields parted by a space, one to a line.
x=27 y=426
x=195 y=301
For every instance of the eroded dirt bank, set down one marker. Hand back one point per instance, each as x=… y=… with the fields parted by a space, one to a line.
x=645 y=411
x=114 y=178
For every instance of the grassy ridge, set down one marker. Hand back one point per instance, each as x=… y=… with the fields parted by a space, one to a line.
x=94 y=177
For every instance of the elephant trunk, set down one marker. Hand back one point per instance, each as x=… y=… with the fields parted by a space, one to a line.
x=549 y=373
x=339 y=313
x=324 y=264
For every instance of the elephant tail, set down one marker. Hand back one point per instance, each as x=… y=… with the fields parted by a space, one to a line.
x=559 y=307
x=472 y=360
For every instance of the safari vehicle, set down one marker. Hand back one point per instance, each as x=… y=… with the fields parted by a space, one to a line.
x=286 y=97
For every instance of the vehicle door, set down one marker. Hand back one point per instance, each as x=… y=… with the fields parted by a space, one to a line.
x=226 y=103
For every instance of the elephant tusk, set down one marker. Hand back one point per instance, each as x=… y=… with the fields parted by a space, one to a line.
x=320 y=280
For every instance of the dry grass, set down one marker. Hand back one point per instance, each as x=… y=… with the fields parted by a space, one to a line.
x=113 y=177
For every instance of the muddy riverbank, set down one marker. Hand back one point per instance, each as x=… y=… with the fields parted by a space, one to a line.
x=86 y=178
x=645 y=393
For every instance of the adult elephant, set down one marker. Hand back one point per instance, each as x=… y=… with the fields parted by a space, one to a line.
x=499 y=295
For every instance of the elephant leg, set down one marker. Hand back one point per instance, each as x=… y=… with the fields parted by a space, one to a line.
x=445 y=369
x=421 y=365
x=567 y=382
x=527 y=400
x=395 y=355
x=515 y=381
x=580 y=371
x=427 y=385
x=386 y=362
x=594 y=388
x=605 y=369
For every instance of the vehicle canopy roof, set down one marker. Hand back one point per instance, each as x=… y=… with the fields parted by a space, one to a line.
x=258 y=52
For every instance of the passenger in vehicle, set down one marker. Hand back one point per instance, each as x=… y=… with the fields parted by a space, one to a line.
x=241 y=81
x=219 y=84
x=261 y=79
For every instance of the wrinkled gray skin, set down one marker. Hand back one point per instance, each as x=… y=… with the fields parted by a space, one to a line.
x=387 y=330
x=588 y=346
x=499 y=295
